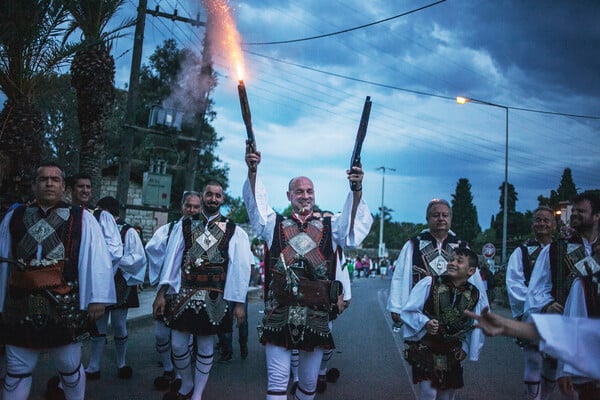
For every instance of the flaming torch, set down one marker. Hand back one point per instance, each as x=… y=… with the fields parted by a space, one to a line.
x=246 y=115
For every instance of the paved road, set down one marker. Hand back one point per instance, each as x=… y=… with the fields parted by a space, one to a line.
x=368 y=355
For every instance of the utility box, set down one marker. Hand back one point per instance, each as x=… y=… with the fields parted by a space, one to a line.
x=165 y=117
x=156 y=189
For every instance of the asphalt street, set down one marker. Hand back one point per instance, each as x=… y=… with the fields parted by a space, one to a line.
x=368 y=354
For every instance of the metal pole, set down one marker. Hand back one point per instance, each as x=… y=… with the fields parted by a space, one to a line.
x=381 y=248
x=505 y=213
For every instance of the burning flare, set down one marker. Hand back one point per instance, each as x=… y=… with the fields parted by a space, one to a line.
x=224 y=35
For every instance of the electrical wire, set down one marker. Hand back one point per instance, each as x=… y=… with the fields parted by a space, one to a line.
x=345 y=30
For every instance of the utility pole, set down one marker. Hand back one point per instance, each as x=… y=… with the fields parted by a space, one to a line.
x=381 y=251
x=127 y=137
x=132 y=97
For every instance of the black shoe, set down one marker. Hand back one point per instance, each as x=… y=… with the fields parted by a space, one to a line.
x=178 y=396
x=175 y=385
x=244 y=350
x=53 y=392
x=92 y=376
x=125 y=372
x=294 y=388
x=226 y=356
x=321 y=383
x=333 y=374
x=163 y=382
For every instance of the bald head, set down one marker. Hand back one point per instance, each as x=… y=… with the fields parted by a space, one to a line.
x=301 y=194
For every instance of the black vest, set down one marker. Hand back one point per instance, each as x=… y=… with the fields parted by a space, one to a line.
x=206 y=252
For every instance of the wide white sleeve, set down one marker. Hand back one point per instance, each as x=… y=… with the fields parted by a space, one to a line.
x=474 y=340
x=155 y=252
x=515 y=283
x=112 y=237
x=575 y=307
x=412 y=313
x=540 y=284
x=171 y=271
x=96 y=278
x=476 y=281
x=6 y=252
x=133 y=262
x=340 y=224
x=575 y=341
x=238 y=269
x=262 y=216
x=401 y=279
x=343 y=276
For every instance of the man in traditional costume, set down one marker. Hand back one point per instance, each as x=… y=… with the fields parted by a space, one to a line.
x=80 y=186
x=130 y=272
x=155 y=251
x=300 y=283
x=427 y=254
x=58 y=277
x=518 y=273
x=572 y=258
x=207 y=264
x=438 y=334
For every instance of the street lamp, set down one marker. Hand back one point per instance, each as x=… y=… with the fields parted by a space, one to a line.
x=463 y=100
x=381 y=244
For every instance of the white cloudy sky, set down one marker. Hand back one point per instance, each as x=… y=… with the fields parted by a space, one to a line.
x=533 y=55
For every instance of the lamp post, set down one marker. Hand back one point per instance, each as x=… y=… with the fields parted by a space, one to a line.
x=381 y=245
x=463 y=100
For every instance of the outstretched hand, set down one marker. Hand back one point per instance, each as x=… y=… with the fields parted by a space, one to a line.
x=491 y=324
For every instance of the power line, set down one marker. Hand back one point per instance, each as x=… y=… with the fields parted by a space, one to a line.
x=345 y=30
x=421 y=93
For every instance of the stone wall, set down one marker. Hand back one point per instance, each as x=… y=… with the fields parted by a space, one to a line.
x=149 y=220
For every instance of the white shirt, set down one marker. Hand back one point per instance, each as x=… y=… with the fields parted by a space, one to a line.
x=155 y=252
x=133 y=262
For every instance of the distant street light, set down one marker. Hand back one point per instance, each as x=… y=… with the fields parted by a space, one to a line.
x=381 y=251
x=463 y=100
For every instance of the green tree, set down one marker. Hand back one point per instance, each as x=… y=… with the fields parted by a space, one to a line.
x=30 y=49
x=464 y=213
x=237 y=211
x=58 y=106
x=565 y=191
x=93 y=76
x=395 y=234
x=518 y=225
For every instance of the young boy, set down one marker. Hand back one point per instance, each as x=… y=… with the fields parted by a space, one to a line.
x=438 y=334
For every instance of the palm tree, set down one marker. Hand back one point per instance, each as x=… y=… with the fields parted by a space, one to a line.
x=30 y=49
x=92 y=76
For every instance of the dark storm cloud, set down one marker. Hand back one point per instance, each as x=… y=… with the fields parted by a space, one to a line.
x=547 y=49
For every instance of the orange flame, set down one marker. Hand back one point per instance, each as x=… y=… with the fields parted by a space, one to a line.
x=224 y=34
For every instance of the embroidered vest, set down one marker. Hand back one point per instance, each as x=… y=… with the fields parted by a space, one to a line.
x=306 y=249
x=206 y=253
x=53 y=237
x=427 y=259
x=565 y=257
x=530 y=250
x=447 y=304
x=57 y=233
